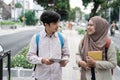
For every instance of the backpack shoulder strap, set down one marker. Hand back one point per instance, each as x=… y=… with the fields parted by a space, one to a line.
x=61 y=39
x=37 y=41
x=106 y=47
x=108 y=43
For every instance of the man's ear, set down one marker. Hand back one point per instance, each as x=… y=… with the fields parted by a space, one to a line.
x=45 y=24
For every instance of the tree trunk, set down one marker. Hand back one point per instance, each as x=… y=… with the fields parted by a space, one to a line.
x=93 y=11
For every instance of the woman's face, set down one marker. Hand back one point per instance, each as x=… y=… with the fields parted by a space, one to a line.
x=90 y=28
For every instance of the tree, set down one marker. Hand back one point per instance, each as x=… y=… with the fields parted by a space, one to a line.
x=72 y=12
x=18 y=5
x=60 y=6
x=96 y=4
x=114 y=10
x=30 y=18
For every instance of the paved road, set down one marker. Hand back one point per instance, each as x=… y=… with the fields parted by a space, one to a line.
x=116 y=39
x=16 y=41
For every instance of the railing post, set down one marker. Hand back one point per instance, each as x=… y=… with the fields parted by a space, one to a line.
x=9 y=63
x=1 y=68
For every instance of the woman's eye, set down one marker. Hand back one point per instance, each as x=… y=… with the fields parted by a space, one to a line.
x=90 y=24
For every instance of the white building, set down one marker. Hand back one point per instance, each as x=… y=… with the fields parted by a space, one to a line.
x=26 y=5
x=16 y=12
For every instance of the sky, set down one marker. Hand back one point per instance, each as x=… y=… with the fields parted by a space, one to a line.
x=78 y=3
x=7 y=1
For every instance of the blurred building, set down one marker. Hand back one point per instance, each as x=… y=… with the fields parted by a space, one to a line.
x=5 y=12
x=8 y=9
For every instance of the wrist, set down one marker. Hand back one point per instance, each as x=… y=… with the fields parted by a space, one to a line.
x=79 y=63
x=42 y=61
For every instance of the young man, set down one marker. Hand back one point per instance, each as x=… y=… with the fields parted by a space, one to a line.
x=49 y=47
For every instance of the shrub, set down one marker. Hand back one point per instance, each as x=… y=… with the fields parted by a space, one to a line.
x=7 y=23
x=81 y=31
x=30 y=18
x=61 y=28
x=19 y=60
x=118 y=57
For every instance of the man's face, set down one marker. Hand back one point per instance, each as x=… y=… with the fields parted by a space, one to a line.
x=52 y=27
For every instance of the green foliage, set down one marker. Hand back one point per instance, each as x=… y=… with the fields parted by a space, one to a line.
x=114 y=10
x=60 y=6
x=18 y=5
x=73 y=13
x=19 y=60
x=118 y=57
x=30 y=18
x=61 y=28
x=81 y=31
x=7 y=23
x=96 y=4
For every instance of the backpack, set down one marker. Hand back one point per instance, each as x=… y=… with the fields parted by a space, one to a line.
x=38 y=39
x=106 y=49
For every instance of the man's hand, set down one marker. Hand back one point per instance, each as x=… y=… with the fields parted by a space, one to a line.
x=47 y=61
x=63 y=63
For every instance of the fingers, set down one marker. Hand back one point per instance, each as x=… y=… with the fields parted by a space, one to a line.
x=63 y=63
x=47 y=61
x=90 y=61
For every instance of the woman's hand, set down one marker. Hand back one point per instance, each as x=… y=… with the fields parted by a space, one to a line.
x=90 y=62
x=84 y=65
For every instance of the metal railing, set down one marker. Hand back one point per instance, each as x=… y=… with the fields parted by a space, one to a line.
x=2 y=56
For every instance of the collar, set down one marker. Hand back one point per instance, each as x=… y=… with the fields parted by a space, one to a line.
x=46 y=35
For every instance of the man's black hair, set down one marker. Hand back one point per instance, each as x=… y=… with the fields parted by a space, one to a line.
x=50 y=16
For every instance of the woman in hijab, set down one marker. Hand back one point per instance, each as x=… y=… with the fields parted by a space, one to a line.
x=95 y=40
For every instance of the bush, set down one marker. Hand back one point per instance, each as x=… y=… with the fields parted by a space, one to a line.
x=7 y=23
x=118 y=57
x=81 y=31
x=30 y=18
x=19 y=60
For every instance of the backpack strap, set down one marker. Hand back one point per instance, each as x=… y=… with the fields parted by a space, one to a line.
x=106 y=47
x=108 y=43
x=37 y=43
x=61 y=39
